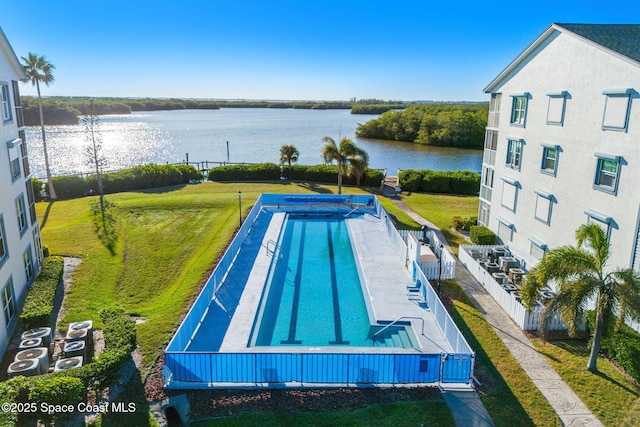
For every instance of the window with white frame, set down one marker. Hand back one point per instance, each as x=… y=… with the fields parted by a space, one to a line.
x=549 y=159
x=5 y=100
x=21 y=213
x=4 y=252
x=505 y=230
x=601 y=219
x=509 y=193
x=519 y=109
x=38 y=242
x=514 y=154
x=537 y=248
x=8 y=302
x=556 y=107
x=14 y=158
x=28 y=265
x=544 y=203
x=483 y=214
x=616 y=109
x=607 y=173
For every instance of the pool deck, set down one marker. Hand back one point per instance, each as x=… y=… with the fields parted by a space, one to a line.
x=385 y=279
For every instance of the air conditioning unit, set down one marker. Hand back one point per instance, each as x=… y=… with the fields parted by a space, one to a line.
x=76 y=335
x=68 y=363
x=27 y=367
x=86 y=325
x=44 y=333
x=30 y=343
x=41 y=354
x=74 y=348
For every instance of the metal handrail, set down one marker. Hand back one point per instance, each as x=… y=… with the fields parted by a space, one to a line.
x=393 y=323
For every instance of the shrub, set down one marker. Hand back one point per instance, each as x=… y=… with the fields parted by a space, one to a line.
x=465 y=182
x=436 y=182
x=410 y=180
x=37 y=186
x=52 y=390
x=38 y=304
x=119 y=330
x=481 y=235
x=69 y=187
x=252 y=172
x=457 y=222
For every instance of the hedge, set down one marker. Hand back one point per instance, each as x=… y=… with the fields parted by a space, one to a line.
x=136 y=178
x=481 y=235
x=329 y=174
x=245 y=172
x=448 y=182
x=38 y=304
x=67 y=387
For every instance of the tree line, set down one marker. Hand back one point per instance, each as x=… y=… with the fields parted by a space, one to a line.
x=449 y=125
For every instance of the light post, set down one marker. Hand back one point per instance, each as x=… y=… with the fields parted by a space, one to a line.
x=439 y=268
x=240 y=205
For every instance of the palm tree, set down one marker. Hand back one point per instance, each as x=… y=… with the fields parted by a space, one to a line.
x=358 y=164
x=39 y=70
x=581 y=275
x=343 y=154
x=289 y=154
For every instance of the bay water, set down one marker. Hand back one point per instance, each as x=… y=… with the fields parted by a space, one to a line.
x=252 y=135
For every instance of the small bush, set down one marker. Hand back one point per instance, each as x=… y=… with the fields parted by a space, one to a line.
x=449 y=182
x=52 y=390
x=119 y=330
x=410 y=180
x=481 y=235
x=252 y=172
x=38 y=304
x=457 y=222
x=69 y=187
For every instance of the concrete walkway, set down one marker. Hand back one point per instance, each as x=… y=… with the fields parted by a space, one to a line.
x=569 y=407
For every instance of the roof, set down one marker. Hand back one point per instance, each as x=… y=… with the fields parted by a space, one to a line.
x=622 y=40
x=9 y=53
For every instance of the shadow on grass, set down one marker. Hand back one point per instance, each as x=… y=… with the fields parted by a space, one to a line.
x=132 y=407
x=105 y=223
x=503 y=406
x=161 y=190
x=314 y=187
x=46 y=214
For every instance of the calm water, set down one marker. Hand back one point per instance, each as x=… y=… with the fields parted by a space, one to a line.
x=254 y=134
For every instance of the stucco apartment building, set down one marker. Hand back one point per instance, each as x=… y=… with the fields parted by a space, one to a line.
x=20 y=246
x=562 y=145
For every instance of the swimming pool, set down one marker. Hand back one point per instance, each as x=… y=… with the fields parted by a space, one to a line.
x=298 y=296
x=313 y=295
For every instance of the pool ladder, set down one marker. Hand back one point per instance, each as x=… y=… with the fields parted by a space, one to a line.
x=272 y=247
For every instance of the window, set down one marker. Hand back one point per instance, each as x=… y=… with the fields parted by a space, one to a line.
x=505 y=230
x=519 y=109
x=22 y=214
x=28 y=265
x=555 y=111
x=509 y=193
x=544 y=202
x=616 y=109
x=8 y=303
x=23 y=153
x=14 y=157
x=607 y=173
x=5 y=100
x=483 y=214
x=514 y=154
x=38 y=242
x=4 y=251
x=32 y=200
x=605 y=221
x=537 y=249
x=549 y=159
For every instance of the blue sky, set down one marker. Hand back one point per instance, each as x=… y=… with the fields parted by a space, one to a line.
x=316 y=50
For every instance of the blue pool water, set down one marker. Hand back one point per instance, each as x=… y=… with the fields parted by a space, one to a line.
x=313 y=294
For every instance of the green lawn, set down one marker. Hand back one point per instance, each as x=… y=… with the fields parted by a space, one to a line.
x=440 y=209
x=611 y=396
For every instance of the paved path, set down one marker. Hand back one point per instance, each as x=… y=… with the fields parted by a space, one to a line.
x=569 y=407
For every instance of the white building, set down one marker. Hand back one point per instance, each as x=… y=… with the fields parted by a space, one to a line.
x=562 y=145
x=20 y=247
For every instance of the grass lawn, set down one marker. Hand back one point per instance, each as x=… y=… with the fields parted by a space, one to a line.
x=507 y=392
x=433 y=413
x=608 y=393
x=440 y=209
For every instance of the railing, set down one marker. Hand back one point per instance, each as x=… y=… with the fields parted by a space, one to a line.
x=434 y=270
x=373 y=343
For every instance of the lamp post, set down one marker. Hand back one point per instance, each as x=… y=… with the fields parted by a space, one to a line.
x=240 y=205
x=439 y=268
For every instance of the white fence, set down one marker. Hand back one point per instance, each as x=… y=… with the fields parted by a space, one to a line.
x=446 y=269
x=527 y=320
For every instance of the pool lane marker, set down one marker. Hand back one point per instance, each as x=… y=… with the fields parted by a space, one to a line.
x=293 y=322
x=337 y=321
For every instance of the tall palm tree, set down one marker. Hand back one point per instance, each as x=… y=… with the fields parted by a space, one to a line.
x=39 y=70
x=342 y=154
x=289 y=154
x=582 y=276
